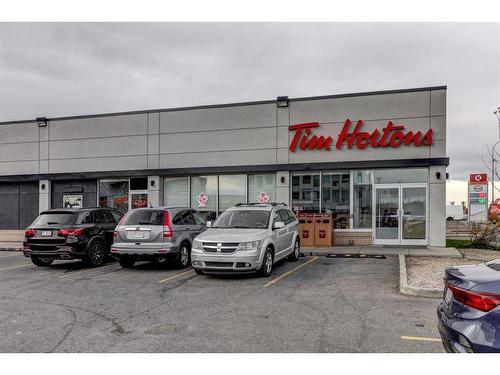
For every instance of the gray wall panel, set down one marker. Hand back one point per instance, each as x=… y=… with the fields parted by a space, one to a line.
x=18 y=151
x=218 y=118
x=98 y=164
x=98 y=127
x=438 y=125
x=19 y=167
x=98 y=147
x=334 y=155
x=207 y=159
x=245 y=139
x=438 y=103
x=404 y=105
x=27 y=132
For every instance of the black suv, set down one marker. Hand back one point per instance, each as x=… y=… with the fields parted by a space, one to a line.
x=84 y=233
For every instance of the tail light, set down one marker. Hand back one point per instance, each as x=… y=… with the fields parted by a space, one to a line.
x=167 y=229
x=478 y=300
x=65 y=232
x=29 y=233
x=115 y=234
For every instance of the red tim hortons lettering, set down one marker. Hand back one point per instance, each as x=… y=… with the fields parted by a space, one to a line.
x=389 y=136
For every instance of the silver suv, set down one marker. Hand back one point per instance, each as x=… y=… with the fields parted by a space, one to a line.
x=157 y=234
x=247 y=238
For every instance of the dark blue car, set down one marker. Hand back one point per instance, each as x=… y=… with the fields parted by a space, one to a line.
x=469 y=315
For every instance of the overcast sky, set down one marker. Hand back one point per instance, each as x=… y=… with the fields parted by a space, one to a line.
x=69 y=69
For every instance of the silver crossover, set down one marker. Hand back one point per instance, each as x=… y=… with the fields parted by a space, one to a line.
x=247 y=237
x=157 y=234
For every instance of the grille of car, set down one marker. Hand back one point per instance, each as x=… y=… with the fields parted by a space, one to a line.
x=219 y=264
x=226 y=247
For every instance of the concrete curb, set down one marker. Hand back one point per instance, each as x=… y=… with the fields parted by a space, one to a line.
x=404 y=288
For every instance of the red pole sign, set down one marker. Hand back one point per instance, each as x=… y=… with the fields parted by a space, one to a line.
x=478 y=178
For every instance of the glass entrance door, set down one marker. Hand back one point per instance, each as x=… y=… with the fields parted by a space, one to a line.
x=400 y=214
x=414 y=215
x=387 y=215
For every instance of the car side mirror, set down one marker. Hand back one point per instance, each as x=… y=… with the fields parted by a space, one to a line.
x=209 y=224
x=278 y=225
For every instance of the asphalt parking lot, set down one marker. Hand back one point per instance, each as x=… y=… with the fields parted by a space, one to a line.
x=318 y=304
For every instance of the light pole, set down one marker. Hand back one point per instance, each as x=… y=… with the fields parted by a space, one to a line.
x=497 y=114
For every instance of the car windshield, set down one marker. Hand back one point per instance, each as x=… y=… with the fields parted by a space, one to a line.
x=143 y=217
x=54 y=218
x=243 y=219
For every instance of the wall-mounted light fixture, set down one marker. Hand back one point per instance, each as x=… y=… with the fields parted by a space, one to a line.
x=282 y=101
x=43 y=186
x=447 y=175
x=41 y=122
x=438 y=175
x=152 y=182
x=282 y=179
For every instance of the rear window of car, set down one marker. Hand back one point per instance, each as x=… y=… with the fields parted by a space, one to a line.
x=54 y=218
x=494 y=264
x=143 y=217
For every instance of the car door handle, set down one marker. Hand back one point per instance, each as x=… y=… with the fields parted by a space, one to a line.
x=187 y=228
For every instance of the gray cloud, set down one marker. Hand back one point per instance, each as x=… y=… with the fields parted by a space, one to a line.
x=78 y=68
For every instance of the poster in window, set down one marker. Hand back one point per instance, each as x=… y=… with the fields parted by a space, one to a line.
x=72 y=200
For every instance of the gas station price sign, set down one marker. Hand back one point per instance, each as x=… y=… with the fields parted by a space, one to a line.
x=478 y=197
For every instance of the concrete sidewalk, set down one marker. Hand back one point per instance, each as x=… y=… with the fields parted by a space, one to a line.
x=424 y=251
x=11 y=246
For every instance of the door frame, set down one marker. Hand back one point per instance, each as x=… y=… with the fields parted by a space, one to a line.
x=400 y=240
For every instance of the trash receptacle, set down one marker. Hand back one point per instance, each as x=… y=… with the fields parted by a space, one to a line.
x=323 y=230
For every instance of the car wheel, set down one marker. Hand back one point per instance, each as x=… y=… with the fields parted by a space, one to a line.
x=41 y=262
x=184 y=257
x=126 y=262
x=95 y=253
x=295 y=255
x=449 y=219
x=267 y=263
x=198 y=271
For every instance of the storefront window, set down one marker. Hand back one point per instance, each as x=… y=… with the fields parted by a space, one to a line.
x=305 y=192
x=362 y=197
x=232 y=190
x=176 y=192
x=114 y=194
x=204 y=195
x=261 y=188
x=387 y=176
x=335 y=197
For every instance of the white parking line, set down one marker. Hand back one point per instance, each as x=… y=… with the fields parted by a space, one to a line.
x=11 y=268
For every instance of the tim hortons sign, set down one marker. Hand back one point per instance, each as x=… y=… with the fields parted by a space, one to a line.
x=391 y=135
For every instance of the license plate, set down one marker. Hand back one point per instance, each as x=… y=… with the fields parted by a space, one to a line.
x=46 y=233
x=136 y=234
x=447 y=296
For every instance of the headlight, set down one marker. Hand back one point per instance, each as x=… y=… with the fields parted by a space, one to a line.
x=254 y=245
x=197 y=245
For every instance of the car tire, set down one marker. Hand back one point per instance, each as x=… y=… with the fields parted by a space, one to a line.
x=126 y=262
x=41 y=262
x=184 y=256
x=267 y=264
x=295 y=255
x=449 y=218
x=198 y=271
x=96 y=253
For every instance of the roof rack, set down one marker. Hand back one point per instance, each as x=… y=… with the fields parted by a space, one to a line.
x=262 y=204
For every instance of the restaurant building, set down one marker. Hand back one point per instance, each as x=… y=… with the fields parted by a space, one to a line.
x=375 y=160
